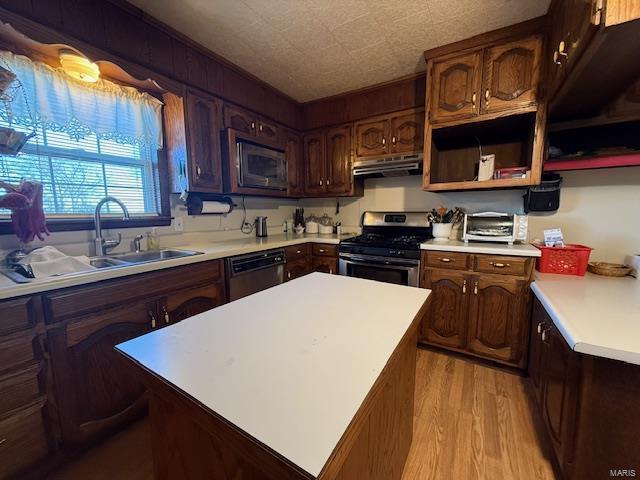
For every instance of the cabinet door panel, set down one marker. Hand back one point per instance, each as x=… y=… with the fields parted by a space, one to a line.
x=456 y=87
x=268 y=130
x=297 y=268
x=445 y=322
x=559 y=395
x=192 y=301
x=511 y=75
x=407 y=132
x=239 y=120
x=203 y=133
x=539 y=322
x=339 y=160
x=498 y=319
x=96 y=387
x=295 y=164
x=325 y=265
x=314 y=155
x=372 y=138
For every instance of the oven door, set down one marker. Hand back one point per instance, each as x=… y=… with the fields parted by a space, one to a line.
x=384 y=269
x=260 y=166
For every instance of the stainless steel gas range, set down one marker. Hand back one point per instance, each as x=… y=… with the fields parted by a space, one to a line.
x=388 y=249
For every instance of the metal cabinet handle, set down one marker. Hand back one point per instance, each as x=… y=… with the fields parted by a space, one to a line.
x=544 y=335
x=446 y=260
x=393 y=140
x=464 y=286
x=561 y=48
x=298 y=252
x=289 y=275
x=384 y=141
x=153 y=319
x=198 y=170
x=486 y=96
x=330 y=271
x=473 y=99
x=167 y=318
x=261 y=127
x=2 y=440
x=320 y=182
x=540 y=327
x=475 y=288
x=556 y=55
x=321 y=250
x=253 y=125
x=328 y=181
x=499 y=265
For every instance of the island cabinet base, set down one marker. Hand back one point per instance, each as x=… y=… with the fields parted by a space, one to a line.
x=191 y=442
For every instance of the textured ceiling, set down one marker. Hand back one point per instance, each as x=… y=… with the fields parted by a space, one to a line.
x=310 y=49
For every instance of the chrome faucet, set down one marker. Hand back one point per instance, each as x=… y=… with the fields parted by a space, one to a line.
x=104 y=244
x=136 y=243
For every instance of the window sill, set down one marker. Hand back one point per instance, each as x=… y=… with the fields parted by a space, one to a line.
x=86 y=223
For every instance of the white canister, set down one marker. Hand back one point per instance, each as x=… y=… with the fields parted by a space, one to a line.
x=441 y=231
x=312 y=227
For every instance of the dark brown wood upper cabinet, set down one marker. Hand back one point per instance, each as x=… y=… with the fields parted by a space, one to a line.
x=315 y=164
x=203 y=134
x=295 y=164
x=399 y=132
x=498 y=317
x=445 y=322
x=372 y=138
x=239 y=119
x=456 y=87
x=511 y=75
x=407 y=132
x=251 y=123
x=338 y=151
x=192 y=132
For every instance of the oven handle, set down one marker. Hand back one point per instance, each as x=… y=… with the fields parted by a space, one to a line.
x=384 y=262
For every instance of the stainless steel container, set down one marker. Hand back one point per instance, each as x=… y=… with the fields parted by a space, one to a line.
x=261 y=226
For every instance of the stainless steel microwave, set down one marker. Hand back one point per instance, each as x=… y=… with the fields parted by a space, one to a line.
x=260 y=166
x=495 y=227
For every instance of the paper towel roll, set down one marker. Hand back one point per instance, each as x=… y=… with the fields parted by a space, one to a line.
x=215 y=207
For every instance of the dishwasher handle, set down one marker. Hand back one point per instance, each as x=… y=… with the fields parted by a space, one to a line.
x=255 y=261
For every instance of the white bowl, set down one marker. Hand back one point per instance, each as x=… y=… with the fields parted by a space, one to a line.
x=325 y=229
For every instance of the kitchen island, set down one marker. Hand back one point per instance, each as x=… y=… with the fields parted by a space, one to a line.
x=310 y=379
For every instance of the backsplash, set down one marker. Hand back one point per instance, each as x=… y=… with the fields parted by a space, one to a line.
x=597 y=208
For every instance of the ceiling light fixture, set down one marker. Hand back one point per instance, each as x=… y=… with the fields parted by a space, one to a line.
x=79 y=67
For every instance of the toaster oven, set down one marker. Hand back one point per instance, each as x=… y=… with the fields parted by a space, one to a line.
x=495 y=227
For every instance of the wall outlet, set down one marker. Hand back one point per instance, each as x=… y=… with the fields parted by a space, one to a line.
x=178 y=224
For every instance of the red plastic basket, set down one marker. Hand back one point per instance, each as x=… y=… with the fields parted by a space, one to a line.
x=572 y=259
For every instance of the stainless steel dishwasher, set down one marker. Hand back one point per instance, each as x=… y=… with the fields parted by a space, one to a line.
x=247 y=274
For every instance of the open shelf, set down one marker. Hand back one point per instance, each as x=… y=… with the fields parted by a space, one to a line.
x=588 y=163
x=455 y=152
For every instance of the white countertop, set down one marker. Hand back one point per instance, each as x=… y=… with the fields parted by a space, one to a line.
x=596 y=315
x=210 y=251
x=518 y=249
x=289 y=365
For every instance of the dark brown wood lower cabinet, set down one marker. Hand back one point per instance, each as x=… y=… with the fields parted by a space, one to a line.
x=588 y=405
x=186 y=303
x=95 y=389
x=498 y=316
x=445 y=322
x=297 y=268
x=325 y=265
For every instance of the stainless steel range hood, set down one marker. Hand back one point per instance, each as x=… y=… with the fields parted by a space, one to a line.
x=398 y=166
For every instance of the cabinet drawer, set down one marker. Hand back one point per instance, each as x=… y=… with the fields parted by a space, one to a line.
x=19 y=387
x=23 y=439
x=325 y=250
x=18 y=348
x=455 y=260
x=502 y=265
x=19 y=314
x=295 y=252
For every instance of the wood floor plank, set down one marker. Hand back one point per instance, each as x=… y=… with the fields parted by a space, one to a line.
x=471 y=422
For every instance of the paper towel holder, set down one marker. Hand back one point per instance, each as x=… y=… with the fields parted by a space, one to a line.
x=195 y=203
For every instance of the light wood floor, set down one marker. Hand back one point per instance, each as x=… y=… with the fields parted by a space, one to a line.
x=471 y=422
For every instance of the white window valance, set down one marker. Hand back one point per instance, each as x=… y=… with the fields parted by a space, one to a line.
x=55 y=101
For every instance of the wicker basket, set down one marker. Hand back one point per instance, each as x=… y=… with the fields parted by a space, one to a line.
x=609 y=269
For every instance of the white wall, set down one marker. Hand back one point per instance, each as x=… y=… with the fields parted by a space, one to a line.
x=599 y=208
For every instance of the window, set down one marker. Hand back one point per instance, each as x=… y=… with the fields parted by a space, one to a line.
x=90 y=140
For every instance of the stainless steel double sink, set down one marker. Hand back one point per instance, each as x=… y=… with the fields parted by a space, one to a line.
x=136 y=258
